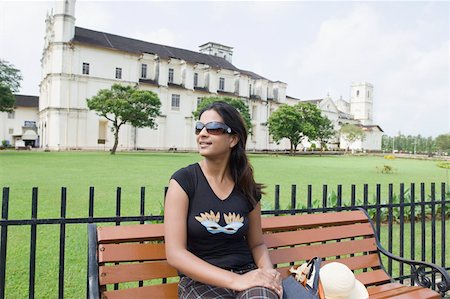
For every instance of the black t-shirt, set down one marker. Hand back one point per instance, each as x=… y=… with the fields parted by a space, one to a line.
x=216 y=229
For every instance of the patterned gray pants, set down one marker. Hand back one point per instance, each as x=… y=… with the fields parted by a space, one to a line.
x=191 y=289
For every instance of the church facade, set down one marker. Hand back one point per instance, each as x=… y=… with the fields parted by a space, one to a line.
x=78 y=62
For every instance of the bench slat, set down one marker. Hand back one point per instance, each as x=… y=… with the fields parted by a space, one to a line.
x=311 y=220
x=398 y=291
x=354 y=263
x=135 y=272
x=168 y=290
x=130 y=233
x=358 y=262
x=373 y=277
x=306 y=252
x=131 y=252
x=317 y=234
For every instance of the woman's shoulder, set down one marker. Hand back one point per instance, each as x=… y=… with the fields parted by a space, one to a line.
x=185 y=172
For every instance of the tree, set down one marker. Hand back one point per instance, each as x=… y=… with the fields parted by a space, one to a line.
x=352 y=133
x=10 y=78
x=443 y=142
x=240 y=105
x=325 y=131
x=298 y=122
x=125 y=104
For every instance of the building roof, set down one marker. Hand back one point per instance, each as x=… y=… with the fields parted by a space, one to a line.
x=26 y=101
x=253 y=75
x=371 y=127
x=116 y=42
x=315 y=101
x=293 y=98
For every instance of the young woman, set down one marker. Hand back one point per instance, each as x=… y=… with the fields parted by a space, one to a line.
x=212 y=216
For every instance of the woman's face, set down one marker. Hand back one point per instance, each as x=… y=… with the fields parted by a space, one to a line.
x=210 y=145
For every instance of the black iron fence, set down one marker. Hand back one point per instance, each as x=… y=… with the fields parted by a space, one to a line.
x=419 y=217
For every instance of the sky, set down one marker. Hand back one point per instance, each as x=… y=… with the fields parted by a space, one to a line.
x=317 y=48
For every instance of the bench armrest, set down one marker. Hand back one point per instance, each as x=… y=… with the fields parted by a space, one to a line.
x=418 y=268
x=93 y=279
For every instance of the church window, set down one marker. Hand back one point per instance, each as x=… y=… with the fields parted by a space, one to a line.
x=118 y=73
x=11 y=131
x=253 y=136
x=175 y=102
x=170 y=75
x=249 y=90
x=357 y=93
x=368 y=94
x=102 y=131
x=85 y=68
x=255 y=112
x=11 y=115
x=221 y=84
x=143 y=70
x=199 y=100
x=195 y=79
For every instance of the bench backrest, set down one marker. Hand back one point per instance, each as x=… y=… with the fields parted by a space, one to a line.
x=133 y=253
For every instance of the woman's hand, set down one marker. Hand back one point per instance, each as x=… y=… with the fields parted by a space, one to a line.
x=269 y=278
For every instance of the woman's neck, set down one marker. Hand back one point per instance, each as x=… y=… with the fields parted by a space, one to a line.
x=216 y=169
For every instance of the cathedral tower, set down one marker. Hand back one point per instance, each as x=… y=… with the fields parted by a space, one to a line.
x=64 y=21
x=361 y=102
x=57 y=104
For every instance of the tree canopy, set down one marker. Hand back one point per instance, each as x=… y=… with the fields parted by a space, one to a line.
x=240 y=105
x=125 y=104
x=443 y=142
x=352 y=133
x=325 y=131
x=298 y=122
x=10 y=78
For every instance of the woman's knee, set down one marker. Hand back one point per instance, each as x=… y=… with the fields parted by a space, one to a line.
x=258 y=292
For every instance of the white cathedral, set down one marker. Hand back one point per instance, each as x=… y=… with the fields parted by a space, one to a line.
x=78 y=62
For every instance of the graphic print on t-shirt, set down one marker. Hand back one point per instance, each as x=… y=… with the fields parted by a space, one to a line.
x=211 y=222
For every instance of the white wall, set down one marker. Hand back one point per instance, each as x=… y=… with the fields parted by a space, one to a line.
x=21 y=114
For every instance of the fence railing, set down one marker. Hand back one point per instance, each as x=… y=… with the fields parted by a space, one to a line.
x=413 y=214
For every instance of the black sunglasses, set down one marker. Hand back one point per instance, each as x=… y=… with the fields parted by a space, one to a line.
x=213 y=128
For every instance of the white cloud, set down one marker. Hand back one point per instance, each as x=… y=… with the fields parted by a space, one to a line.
x=94 y=15
x=410 y=81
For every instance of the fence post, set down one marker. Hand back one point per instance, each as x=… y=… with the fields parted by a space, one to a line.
x=443 y=225
x=433 y=231
x=3 y=240
x=62 y=242
x=324 y=197
x=378 y=210
x=402 y=229
x=339 y=197
x=390 y=224
x=34 y=206
x=309 y=199
x=413 y=225
x=277 y=200
x=293 y=199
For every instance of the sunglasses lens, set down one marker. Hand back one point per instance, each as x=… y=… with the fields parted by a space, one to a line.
x=198 y=127
x=213 y=128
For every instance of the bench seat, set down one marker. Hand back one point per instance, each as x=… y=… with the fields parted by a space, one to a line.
x=133 y=256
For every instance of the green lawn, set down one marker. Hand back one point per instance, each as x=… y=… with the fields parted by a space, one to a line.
x=79 y=170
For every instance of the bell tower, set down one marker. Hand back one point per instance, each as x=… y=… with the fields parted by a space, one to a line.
x=57 y=105
x=361 y=102
x=64 y=21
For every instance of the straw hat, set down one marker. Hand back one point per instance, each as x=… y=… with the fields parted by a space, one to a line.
x=339 y=282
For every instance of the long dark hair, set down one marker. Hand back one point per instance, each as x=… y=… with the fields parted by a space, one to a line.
x=240 y=167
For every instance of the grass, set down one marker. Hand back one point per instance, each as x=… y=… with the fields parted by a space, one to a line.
x=79 y=170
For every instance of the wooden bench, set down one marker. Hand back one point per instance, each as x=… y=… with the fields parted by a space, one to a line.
x=128 y=254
